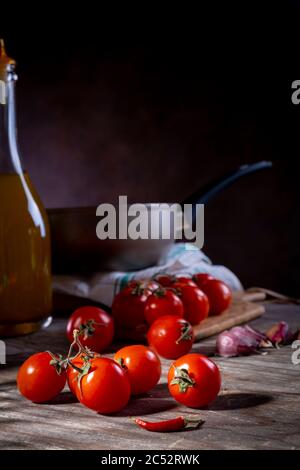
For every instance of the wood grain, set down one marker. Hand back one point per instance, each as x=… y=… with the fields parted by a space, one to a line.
x=258 y=407
x=241 y=311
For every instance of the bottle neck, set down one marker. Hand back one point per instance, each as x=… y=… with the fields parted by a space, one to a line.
x=9 y=154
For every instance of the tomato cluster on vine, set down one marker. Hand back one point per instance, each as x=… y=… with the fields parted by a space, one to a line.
x=163 y=311
x=145 y=307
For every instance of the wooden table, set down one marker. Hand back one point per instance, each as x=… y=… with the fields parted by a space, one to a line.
x=258 y=408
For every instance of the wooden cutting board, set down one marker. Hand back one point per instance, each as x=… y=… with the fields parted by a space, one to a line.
x=242 y=310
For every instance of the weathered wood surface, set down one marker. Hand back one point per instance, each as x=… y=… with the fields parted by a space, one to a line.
x=258 y=407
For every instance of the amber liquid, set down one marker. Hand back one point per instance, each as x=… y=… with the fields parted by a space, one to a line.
x=25 y=264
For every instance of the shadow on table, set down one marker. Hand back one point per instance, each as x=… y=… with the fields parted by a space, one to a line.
x=156 y=400
x=235 y=401
x=159 y=401
x=146 y=406
x=64 y=398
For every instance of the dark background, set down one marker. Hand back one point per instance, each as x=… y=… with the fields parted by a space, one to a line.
x=105 y=110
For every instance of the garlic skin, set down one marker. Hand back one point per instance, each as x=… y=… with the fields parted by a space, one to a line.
x=244 y=340
x=226 y=345
x=280 y=334
x=239 y=341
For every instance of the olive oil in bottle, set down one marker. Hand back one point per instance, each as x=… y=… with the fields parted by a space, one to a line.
x=25 y=269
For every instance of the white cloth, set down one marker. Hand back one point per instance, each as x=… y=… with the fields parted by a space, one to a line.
x=181 y=259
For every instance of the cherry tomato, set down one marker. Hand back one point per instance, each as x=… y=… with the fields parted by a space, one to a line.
x=95 y=325
x=171 y=336
x=194 y=380
x=165 y=280
x=148 y=285
x=185 y=280
x=128 y=309
x=219 y=296
x=168 y=280
x=201 y=278
x=38 y=380
x=142 y=366
x=105 y=387
x=195 y=303
x=162 y=302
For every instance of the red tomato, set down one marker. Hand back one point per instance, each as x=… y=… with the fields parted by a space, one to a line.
x=96 y=327
x=164 y=280
x=171 y=336
x=195 y=303
x=38 y=380
x=142 y=366
x=185 y=280
x=162 y=302
x=128 y=308
x=148 y=285
x=219 y=296
x=168 y=280
x=202 y=278
x=194 y=380
x=105 y=387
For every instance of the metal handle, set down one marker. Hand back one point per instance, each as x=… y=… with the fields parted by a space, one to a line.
x=210 y=190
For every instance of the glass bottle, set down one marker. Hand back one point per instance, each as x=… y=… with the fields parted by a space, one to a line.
x=25 y=269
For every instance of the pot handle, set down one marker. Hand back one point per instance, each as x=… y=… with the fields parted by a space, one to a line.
x=203 y=195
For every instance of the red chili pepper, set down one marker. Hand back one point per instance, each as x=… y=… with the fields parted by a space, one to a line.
x=175 y=424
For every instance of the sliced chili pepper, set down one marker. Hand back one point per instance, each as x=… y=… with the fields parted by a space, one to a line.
x=175 y=424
